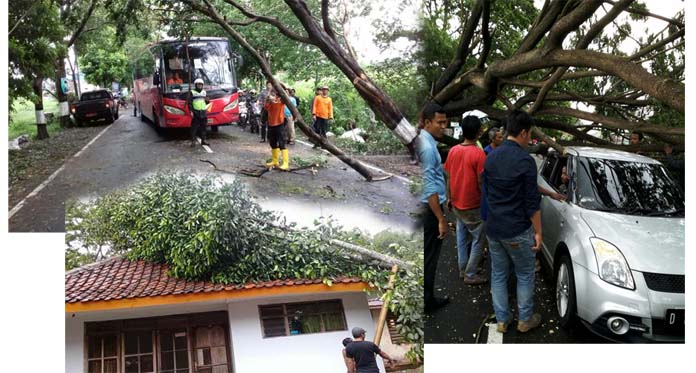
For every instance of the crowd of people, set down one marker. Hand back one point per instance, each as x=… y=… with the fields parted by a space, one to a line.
x=277 y=124
x=493 y=194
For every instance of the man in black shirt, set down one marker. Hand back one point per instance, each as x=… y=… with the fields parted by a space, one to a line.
x=363 y=352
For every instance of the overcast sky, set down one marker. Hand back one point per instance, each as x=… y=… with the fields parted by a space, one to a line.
x=362 y=31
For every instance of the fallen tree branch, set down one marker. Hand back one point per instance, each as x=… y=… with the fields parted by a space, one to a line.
x=383 y=258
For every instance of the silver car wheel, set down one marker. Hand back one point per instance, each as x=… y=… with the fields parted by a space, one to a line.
x=562 y=293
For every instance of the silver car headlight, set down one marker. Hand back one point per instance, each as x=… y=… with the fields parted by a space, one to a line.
x=173 y=110
x=230 y=106
x=611 y=264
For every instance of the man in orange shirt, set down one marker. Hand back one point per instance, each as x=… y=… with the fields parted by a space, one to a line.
x=463 y=168
x=276 y=117
x=322 y=111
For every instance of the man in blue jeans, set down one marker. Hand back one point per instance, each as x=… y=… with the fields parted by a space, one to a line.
x=510 y=181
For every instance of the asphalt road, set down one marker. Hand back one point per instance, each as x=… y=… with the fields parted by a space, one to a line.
x=129 y=150
x=461 y=320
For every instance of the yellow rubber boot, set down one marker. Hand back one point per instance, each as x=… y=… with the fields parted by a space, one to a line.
x=286 y=160
x=275 y=152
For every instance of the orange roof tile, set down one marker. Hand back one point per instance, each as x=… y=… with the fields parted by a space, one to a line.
x=119 y=278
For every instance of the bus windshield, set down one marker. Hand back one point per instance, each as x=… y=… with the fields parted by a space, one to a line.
x=206 y=59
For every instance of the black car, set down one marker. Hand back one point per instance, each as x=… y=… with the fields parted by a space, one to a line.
x=95 y=105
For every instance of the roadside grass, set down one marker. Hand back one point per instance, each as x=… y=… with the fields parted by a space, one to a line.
x=23 y=119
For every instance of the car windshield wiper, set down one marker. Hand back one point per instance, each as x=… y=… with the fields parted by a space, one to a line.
x=620 y=210
x=638 y=211
x=678 y=211
x=604 y=209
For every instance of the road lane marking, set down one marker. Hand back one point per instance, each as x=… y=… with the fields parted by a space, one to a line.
x=91 y=142
x=206 y=147
x=53 y=176
x=493 y=336
x=374 y=168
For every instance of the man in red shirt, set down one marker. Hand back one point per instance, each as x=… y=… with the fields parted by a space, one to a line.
x=463 y=167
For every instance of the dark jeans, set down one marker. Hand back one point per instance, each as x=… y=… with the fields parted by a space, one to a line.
x=199 y=124
x=264 y=124
x=432 y=247
x=276 y=137
x=286 y=134
x=264 y=129
x=322 y=125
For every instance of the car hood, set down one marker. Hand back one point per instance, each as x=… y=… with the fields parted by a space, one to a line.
x=649 y=244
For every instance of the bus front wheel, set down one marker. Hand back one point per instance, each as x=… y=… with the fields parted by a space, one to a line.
x=156 y=123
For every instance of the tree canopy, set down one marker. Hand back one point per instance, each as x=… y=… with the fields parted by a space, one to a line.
x=34 y=31
x=581 y=68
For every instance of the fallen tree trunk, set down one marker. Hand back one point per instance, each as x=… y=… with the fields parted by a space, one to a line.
x=381 y=104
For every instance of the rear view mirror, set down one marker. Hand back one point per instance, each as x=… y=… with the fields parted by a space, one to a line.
x=238 y=60
x=156 y=79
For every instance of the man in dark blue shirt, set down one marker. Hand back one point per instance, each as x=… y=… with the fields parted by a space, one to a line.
x=510 y=181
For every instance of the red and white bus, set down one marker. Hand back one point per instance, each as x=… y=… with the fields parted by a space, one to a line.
x=163 y=75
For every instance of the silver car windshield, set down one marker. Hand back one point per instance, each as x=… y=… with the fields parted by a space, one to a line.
x=627 y=187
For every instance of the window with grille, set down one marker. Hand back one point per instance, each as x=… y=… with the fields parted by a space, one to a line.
x=137 y=352
x=174 y=352
x=302 y=318
x=192 y=343
x=102 y=354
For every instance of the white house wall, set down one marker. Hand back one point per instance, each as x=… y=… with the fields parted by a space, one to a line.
x=74 y=345
x=320 y=352
x=251 y=353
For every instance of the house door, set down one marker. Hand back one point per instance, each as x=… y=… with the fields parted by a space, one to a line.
x=210 y=354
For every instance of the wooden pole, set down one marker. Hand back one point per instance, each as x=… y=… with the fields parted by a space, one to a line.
x=385 y=305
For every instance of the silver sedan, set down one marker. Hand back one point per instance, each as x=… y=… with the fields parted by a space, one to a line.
x=616 y=246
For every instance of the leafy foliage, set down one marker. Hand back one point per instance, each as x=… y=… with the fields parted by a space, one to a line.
x=206 y=229
x=32 y=45
x=75 y=258
x=104 y=65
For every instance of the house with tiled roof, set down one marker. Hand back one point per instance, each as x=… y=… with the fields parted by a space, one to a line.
x=124 y=316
